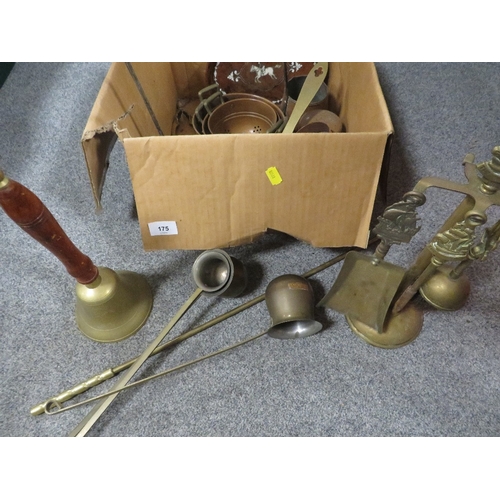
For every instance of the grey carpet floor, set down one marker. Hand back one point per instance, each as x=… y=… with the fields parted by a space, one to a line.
x=446 y=383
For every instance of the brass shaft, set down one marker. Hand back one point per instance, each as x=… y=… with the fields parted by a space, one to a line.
x=412 y=289
x=85 y=425
x=58 y=409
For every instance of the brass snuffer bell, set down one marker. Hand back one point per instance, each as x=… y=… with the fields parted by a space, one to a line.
x=290 y=302
x=376 y=296
x=110 y=305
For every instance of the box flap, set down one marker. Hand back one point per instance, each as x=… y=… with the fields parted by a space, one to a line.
x=216 y=191
x=120 y=110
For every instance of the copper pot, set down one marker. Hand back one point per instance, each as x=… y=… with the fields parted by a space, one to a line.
x=242 y=116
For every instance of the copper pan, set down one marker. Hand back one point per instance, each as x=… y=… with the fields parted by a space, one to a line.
x=242 y=116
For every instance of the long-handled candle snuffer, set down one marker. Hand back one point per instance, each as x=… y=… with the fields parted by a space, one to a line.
x=290 y=302
x=110 y=305
x=112 y=372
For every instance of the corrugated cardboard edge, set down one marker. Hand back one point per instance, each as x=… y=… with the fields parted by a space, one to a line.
x=119 y=111
x=384 y=171
x=97 y=145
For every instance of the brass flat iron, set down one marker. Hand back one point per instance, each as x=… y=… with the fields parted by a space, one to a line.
x=111 y=305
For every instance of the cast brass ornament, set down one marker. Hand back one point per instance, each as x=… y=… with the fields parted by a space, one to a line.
x=398 y=223
x=366 y=285
x=455 y=238
x=377 y=304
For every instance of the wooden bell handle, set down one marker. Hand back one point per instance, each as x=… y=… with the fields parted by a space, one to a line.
x=31 y=215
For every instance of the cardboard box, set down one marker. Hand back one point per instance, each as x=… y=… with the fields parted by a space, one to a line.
x=213 y=191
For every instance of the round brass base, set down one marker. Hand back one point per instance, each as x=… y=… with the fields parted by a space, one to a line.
x=114 y=308
x=399 y=330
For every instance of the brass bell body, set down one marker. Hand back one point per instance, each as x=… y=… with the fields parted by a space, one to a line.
x=444 y=292
x=113 y=307
x=290 y=302
x=217 y=273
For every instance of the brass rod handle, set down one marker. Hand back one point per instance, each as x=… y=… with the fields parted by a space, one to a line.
x=86 y=424
x=97 y=379
x=414 y=287
x=32 y=216
x=52 y=407
x=74 y=391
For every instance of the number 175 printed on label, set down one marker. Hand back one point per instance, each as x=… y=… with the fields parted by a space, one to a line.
x=163 y=228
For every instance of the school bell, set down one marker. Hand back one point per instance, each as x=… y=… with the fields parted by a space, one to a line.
x=110 y=305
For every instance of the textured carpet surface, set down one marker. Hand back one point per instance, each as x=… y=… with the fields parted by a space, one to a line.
x=445 y=383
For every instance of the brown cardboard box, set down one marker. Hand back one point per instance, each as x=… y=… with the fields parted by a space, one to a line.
x=198 y=192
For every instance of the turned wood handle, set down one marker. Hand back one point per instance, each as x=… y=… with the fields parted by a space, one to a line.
x=31 y=215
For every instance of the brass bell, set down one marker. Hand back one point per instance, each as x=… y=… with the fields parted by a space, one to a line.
x=110 y=305
x=290 y=302
x=217 y=273
x=114 y=306
x=446 y=291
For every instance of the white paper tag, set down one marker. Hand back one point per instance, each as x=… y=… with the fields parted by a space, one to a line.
x=163 y=228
